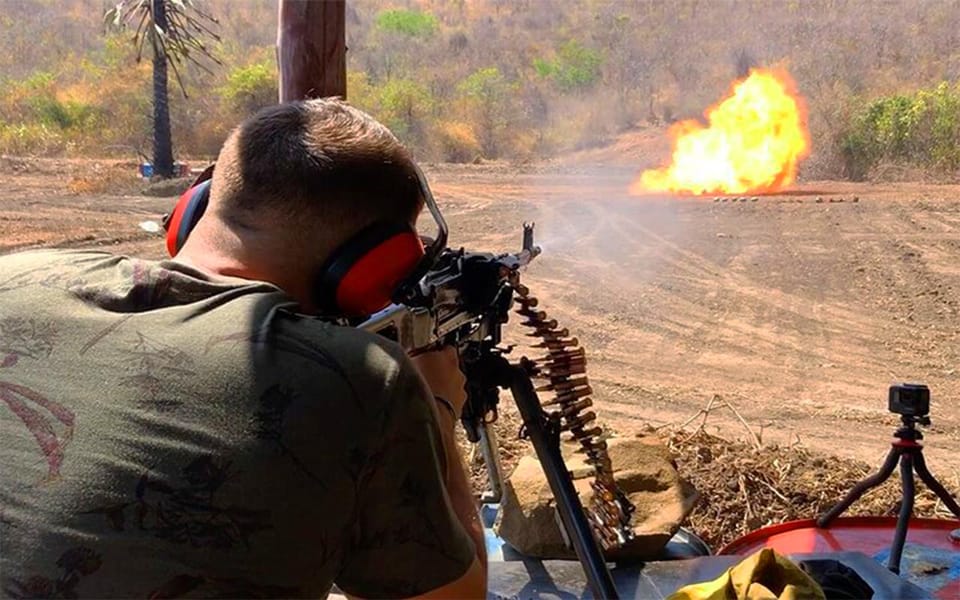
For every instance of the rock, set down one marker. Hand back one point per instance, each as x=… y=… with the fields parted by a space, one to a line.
x=644 y=470
x=819 y=199
x=151 y=226
x=165 y=188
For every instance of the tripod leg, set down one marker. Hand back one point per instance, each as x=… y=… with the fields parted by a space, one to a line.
x=906 y=509
x=861 y=488
x=932 y=483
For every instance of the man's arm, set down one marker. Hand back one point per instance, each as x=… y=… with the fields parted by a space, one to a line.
x=441 y=371
x=418 y=533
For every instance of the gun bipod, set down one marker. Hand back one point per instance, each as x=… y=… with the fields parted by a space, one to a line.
x=543 y=430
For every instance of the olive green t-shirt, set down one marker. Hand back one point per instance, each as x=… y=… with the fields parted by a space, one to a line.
x=168 y=434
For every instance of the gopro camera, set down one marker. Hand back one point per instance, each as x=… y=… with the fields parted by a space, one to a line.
x=909 y=399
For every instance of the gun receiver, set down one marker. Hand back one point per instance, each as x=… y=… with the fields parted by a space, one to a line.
x=465 y=297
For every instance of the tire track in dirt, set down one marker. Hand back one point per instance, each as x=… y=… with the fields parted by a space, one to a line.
x=794 y=356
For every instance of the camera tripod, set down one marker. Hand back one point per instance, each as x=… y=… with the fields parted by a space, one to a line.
x=908 y=451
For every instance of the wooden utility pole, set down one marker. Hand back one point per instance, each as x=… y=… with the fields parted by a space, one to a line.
x=312 y=49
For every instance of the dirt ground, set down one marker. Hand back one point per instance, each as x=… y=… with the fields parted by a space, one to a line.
x=798 y=309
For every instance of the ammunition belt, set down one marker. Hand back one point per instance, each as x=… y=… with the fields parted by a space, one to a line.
x=563 y=371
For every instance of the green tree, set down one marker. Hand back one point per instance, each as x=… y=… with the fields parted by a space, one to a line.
x=397 y=42
x=412 y=23
x=920 y=129
x=488 y=96
x=406 y=107
x=251 y=87
x=177 y=31
x=575 y=67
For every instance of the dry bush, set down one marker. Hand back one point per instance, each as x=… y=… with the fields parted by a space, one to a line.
x=118 y=178
x=743 y=487
x=744 y=484
x=457 y=142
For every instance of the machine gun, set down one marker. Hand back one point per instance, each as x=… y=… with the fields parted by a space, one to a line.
x=463 y=299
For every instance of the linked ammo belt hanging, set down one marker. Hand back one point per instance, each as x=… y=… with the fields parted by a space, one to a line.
x=563 y=372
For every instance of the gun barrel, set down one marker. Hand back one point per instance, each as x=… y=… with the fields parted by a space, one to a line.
x=525 y=257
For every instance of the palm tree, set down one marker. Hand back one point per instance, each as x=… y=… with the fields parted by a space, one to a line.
x=176 y=30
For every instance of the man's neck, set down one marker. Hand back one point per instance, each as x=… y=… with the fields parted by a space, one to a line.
x=220 y=250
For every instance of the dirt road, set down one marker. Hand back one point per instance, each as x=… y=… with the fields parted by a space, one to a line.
x=798 y=312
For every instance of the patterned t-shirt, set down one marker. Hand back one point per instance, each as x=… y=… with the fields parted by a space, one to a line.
x=167 y=434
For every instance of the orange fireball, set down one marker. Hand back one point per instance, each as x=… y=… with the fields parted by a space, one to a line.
x=753 y=142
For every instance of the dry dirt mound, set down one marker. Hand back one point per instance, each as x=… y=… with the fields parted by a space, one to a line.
x=639 y=148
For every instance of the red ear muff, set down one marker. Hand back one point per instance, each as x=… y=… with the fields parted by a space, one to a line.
x=362 y=275
x=188 y=210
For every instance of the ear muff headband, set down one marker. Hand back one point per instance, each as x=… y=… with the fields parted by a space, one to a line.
x=188 y=210
x=362 y=275
x=407 y=291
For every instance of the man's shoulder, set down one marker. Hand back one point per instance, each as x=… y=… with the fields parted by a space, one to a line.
x=358 y=355
x=355 y=378
x=42 y=257
x=48 y=267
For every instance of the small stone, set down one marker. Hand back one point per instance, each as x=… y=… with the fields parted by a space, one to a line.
x=744 y=199
x=754 y=199
x=856 y=199
x=717 y=199
x=819 y=200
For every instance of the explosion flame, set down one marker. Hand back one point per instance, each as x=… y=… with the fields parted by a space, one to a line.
x=754 y=141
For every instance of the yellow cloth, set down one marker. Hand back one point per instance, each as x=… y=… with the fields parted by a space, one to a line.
x=764 y=575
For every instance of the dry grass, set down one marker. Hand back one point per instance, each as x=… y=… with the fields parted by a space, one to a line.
x=745 y=484
x=743 y=488
x=113 y=178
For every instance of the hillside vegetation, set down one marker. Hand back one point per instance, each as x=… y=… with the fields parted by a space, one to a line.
x=512 y=79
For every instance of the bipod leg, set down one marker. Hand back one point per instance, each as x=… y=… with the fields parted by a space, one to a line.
x=920 y=465
x=906 y=509
x=546 y=443
x=861 y=488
